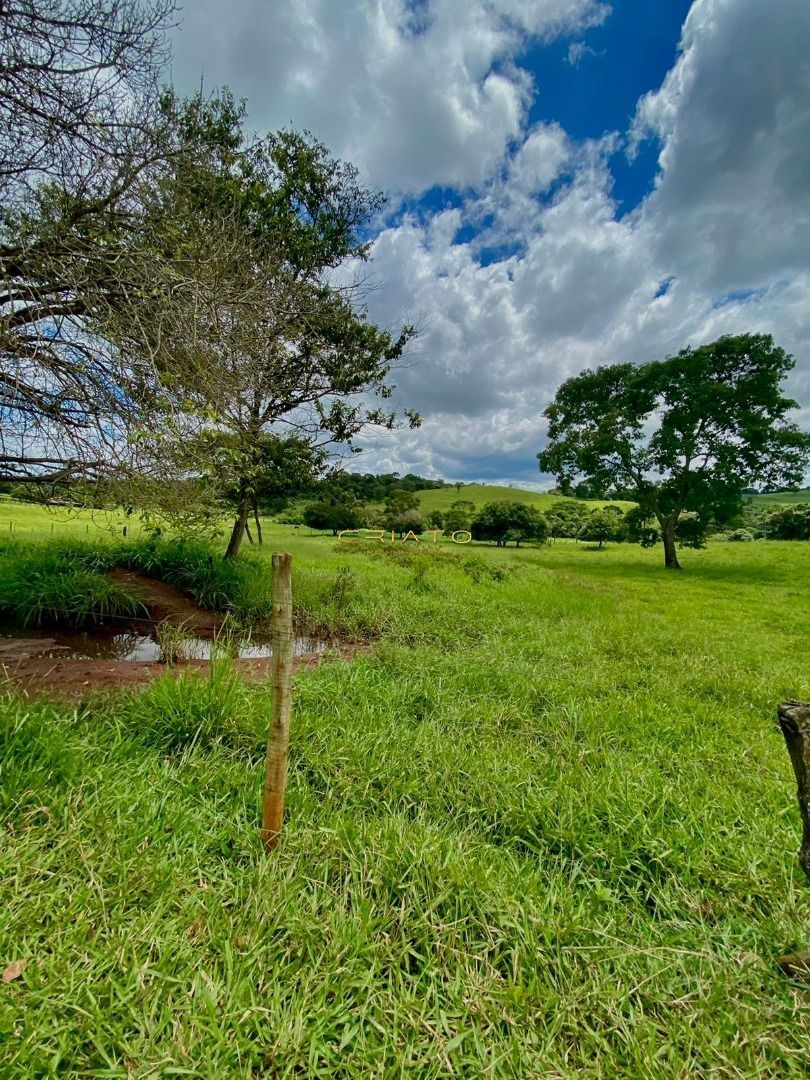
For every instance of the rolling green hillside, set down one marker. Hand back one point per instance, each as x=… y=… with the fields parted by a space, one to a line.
x=779 y=498
x=480 y=494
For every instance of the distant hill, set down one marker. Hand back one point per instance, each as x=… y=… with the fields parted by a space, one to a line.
x=479 y=494
x=779 y=498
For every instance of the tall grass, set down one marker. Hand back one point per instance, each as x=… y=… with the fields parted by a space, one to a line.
x=63 y=580
x=45 y=584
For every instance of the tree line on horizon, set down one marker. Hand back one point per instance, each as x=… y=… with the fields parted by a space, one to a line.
x=505 y=522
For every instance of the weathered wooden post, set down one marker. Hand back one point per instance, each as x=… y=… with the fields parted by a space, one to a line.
x=794 y=720
x=278 y=739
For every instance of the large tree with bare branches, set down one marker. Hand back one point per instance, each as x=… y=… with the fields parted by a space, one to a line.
x=80 y=126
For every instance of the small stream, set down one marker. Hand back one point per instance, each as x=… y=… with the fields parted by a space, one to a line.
x=135 y=645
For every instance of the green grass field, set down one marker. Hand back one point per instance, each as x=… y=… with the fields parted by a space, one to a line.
x=546 y=828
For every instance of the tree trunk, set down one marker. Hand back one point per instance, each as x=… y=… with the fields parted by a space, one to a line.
x=238 y=530
x=670 y=552
x=259 y=536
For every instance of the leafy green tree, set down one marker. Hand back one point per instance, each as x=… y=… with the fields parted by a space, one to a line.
x=788 y=522
x=398 y=504
x=691 y=530
x=555 y=525
x=641 y=527
x=405 y=521
x=401 y=513
x=689 y=433
x=506 y=521
x=566 y=518
x=435 y=519
x=588 y=489
x=601 y=526
x=277 y=469
x=244 y=315
x=333 y=515
x=400 y=500
x=459 y=515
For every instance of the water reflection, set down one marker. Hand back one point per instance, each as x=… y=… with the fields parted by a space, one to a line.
x=102 y=644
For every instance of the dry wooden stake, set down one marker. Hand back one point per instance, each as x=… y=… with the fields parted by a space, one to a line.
x=278 y=739
x=794 y=720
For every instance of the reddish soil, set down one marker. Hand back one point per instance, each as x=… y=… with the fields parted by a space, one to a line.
x=52 y=677
x=48 y=678
x=169 y=604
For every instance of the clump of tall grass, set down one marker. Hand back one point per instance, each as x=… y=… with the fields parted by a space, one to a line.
x=46 y=584
x=63 y=580
x=240 y=586
x=174 y=714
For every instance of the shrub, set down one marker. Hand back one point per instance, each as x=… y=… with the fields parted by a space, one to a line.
x=741 y=536
x=788 y=522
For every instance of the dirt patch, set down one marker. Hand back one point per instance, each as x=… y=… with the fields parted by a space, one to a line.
x=47 y=678
x=165 y=603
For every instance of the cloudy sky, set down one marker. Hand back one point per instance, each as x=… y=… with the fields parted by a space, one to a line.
x=570 y=183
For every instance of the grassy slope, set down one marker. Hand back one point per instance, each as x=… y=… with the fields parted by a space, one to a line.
x=30 y=521
x=779 y=498
x=479 y=494
x=547 y=828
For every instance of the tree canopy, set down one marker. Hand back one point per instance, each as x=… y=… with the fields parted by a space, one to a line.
x=688 y=433
x=258 y=337
x=506 y=522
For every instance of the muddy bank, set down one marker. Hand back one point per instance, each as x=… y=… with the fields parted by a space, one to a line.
x=167 y=604
x=58 y=663
x=48 y=678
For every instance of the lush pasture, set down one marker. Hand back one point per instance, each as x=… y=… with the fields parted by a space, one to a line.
x=546 y=828
x=32 y=522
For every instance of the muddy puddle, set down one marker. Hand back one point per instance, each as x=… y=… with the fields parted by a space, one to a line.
x=133 y=645
x=178 y=638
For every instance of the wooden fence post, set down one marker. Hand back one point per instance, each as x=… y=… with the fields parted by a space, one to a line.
x=794 y=720
x=278 y=739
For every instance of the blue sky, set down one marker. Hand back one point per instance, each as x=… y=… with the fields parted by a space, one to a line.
x=590 y=86
x=570 y=183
